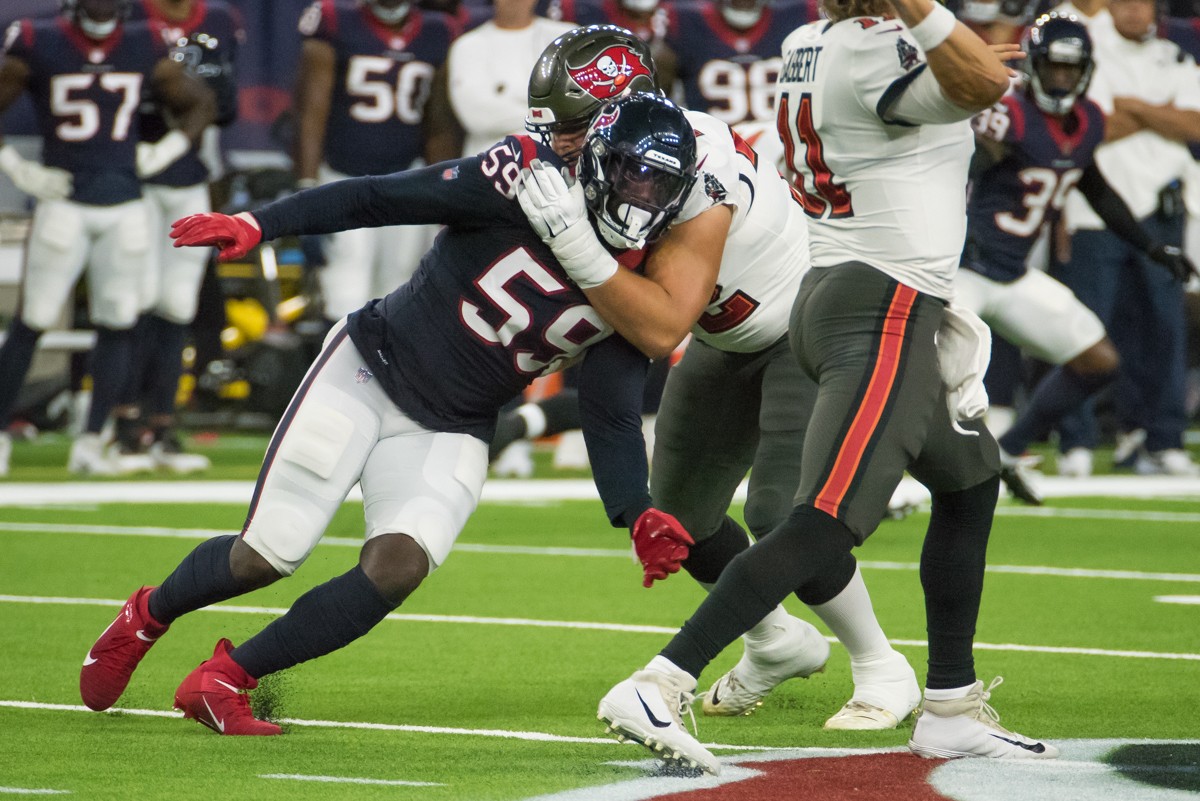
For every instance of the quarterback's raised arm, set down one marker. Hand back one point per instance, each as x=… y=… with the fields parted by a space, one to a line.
x=969 y=73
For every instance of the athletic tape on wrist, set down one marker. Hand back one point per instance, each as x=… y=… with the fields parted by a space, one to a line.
x=935 y=28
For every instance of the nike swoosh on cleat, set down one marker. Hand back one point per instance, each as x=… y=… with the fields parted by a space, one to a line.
x=658 y=724
x=144 y=637
x=713 y=698
x=1035 y=748
x=217 y=724
x=227 y=686
x=89 y=659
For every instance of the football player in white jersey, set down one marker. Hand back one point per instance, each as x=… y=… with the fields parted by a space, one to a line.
x=738 y=399
x=872 y=107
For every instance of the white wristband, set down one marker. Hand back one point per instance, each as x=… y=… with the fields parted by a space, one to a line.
x=935 y=28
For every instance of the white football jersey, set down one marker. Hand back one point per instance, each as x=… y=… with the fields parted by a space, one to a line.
x=766 y=252
x=876 y=190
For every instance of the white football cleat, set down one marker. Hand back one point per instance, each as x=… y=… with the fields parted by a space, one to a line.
x=885 y=693
x=1076 y=463
x=5 y=452
x=969 y=727
x=168 y=454
x=798 y=652
x=515 y=461
x=647 y=708
x=90 y=456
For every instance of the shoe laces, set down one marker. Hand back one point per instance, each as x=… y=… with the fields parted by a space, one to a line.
x=685 y=706
x=986 y=709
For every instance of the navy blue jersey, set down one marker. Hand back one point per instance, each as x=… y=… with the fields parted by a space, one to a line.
x=731 y=73
x=86 y=94
x=1016 y=197
x=488 y=310
x=382 y=81
x=223 y=25
x=608 y=12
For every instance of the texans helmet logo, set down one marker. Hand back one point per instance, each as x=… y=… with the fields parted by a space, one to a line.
x=609 y=73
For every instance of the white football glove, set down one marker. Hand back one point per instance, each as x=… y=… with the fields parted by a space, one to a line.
x=154 y=157
x=558 y=214
x=32 y=178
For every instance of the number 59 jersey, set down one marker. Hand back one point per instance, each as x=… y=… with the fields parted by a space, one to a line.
x=86 y=94
x=382 y=80
x=1014 y=199
x=877 y=189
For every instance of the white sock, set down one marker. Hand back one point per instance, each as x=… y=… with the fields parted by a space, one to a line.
x=535 y=419
x=850 y=616
x=660 y=664
x=765 y=630
x=948 y=695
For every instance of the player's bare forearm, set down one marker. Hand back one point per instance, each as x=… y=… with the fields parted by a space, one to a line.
x=192 y=103
x=14 y=73
x=970 y=74
x=1119 y=125
x=656 y=311
x=444 y=135
x=313 y=93
x=1167 y=121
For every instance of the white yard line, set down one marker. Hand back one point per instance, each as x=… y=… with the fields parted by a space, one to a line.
x=301 y=777
x=504 y=734
x=589 y=626
x=533 y=491
x=1186 y=600
x=31 y=791
x=532 y=550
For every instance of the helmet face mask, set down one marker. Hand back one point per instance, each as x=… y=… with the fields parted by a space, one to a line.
x=742 y=14
x=1059 y=64
x=578 y=72
x=389 y=12
x=637 y=167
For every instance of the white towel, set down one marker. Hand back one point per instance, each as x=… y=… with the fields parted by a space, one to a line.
x=964 y=347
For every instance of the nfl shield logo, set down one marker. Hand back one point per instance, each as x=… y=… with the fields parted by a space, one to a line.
x=363 y=375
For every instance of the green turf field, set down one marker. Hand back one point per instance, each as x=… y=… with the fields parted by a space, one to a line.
x=485 y=685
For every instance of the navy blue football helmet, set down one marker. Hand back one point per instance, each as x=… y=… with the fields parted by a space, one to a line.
x=1058 y=66
x=638 y=164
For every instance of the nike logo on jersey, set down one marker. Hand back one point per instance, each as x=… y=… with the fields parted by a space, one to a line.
x=658 y=724
x=1034 y=748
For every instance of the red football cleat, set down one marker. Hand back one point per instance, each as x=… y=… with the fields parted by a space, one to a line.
x=215 y=694
x=113 y=658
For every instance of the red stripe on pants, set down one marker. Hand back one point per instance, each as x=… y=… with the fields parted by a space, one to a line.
x=874 y=401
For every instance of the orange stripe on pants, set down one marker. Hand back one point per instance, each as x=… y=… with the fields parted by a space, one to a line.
x=866 y=419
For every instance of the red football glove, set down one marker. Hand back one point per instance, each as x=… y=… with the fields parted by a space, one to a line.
x=660 y=543
x=235 y=235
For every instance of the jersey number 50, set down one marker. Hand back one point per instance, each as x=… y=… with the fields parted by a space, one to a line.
x=828 y=194
x=366 y=78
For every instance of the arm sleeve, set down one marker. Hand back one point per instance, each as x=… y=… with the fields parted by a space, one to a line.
x=478 y=190
x=611 y=383
x=1112 y=209
x=917 y=99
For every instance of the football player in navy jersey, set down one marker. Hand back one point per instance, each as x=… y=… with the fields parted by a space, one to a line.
x=86 y=71
x=365 y=76
x=649 y=20
x=203 y=36
x=1034 y=147
x=404 y=395
x=726 y=54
